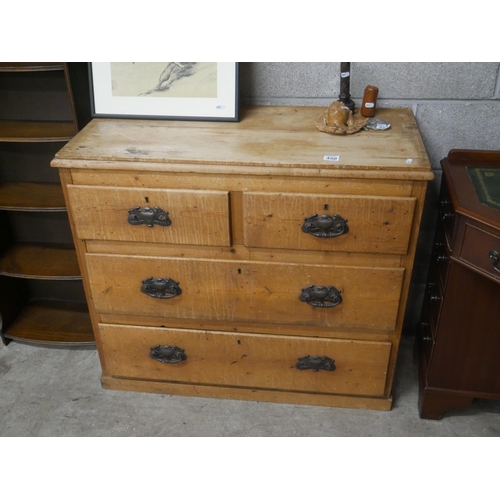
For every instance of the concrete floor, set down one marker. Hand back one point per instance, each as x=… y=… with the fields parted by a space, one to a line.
x=47 y=391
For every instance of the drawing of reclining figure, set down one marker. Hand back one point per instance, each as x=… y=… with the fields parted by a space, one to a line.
x=173 y=72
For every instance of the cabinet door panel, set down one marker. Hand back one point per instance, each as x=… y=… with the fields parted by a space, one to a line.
x=467 y=346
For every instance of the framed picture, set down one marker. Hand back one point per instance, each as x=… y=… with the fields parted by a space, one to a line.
x=165 y=90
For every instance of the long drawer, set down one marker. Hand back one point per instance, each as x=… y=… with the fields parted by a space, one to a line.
x=128 y=214
x=374 y=224
x=246 y=291
x=244 y=360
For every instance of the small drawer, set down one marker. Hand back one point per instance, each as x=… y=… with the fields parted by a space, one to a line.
x=433 y=298
x=446 y=213
x=440 y=258
x=374 y=224
x=129 y=214
x=245 y=360
x=220 y=290
x=481 y=250
x=425 y=340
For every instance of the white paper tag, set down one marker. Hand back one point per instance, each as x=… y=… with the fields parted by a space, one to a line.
x=345 y=74
x=409 y=160
x=369 y=104
x=331 y=158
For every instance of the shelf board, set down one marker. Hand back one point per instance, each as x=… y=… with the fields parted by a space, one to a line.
x=54 y=322
x=30 y=66
x=32 y=196
x=36 y=131
x=46 y=261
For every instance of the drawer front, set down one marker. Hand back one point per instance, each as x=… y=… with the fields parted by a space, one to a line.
x=440 y=258
x=446 y=213
x=196 y=217
x=246 y=291
x=425 y=340
x=482 y=250
x=433 y=299
x=375 y=224
x=246 y=360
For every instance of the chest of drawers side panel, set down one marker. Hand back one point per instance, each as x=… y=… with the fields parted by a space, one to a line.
x=407 y=262
x=80 y=247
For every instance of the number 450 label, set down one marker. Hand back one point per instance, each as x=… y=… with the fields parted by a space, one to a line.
x=331 y=158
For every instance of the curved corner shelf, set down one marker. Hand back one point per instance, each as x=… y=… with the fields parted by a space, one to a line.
x=52 y=322
x=36 y=131
x=40 y=261
x=32 y=197
x=14 y=67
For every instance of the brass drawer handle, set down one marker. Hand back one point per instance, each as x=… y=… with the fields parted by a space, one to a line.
x=315 y=363
x=148 y=216
x=325 y=226
x=495 y=257
x=167 y=354
x=321 y=296
x=161 y=288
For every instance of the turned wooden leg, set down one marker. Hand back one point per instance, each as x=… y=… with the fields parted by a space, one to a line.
x=432 y=403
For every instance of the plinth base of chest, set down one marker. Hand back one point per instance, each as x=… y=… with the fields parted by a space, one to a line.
x=268 y=396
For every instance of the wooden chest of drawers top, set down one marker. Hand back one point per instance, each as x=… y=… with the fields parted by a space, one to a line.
x=267 y=140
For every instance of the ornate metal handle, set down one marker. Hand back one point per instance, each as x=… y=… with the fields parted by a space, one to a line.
x=495 y=257
x=148 y=216
x=325 y=226
x=161 y=288
x=315 y=363
x=321 y=296
x=167 y=354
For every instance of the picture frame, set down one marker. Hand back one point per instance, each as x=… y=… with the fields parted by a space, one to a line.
x=167 y=91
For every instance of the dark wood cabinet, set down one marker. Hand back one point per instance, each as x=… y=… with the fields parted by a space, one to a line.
x=459 y=333
x=41 y=291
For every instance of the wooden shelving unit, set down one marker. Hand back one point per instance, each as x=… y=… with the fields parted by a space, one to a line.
x=35 y=196
x=35 y=131
x=41 y=292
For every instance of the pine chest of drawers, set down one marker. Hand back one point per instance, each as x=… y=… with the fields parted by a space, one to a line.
x=257 y=260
